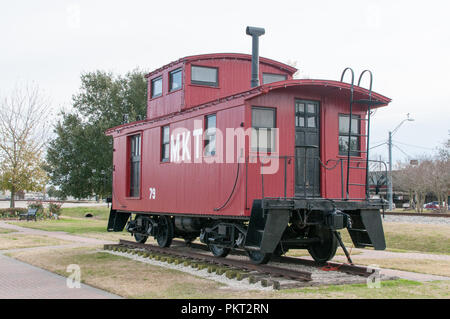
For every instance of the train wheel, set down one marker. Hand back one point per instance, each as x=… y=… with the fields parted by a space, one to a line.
x=219 y=251
x=140 y=238
x=258 y=257
x=324 y=250
x=165 y=231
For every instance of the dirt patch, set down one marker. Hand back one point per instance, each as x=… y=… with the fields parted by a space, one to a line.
x=110 y=236
x=16 y=240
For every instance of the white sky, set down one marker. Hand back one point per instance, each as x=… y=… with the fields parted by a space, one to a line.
x=406 y=44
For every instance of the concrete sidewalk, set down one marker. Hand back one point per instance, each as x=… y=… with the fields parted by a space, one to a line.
x=55 y=234
x=19 y=280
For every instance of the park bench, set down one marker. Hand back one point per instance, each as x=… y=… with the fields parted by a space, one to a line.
x=30 y=214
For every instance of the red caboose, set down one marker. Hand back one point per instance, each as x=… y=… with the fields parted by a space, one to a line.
x=263 y=167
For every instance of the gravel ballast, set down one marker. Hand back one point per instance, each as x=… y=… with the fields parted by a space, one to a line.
x=416 y=219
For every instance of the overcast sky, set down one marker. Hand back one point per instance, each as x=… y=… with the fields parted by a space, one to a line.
x=406 y=44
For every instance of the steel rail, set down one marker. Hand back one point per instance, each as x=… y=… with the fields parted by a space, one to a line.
x=265 y=269
x=346 y=268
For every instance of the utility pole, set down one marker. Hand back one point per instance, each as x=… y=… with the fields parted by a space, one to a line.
x=390 y=193
x=390 y=198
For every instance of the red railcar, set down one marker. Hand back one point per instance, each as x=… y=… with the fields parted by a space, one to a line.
x=264 y=167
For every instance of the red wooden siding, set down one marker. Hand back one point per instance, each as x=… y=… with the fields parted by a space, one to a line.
x=234 y=72
x=199 y=188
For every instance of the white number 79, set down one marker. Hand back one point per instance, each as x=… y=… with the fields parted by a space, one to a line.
x=152 y=193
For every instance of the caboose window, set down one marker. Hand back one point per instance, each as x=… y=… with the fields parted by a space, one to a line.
x=305 y=114
x=165 y=141
x=175 y=80
x=270 y=77
x=210 y=135
x=344 y=134
x=156 y=87
x=204 y=75
x=263 y=120
x=135 y=165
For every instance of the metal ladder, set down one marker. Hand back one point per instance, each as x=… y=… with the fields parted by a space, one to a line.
x=365 y=102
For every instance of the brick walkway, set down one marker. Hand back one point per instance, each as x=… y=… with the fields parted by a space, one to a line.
x=19 y=280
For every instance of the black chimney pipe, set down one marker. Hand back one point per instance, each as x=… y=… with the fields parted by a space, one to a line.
x=255 y=33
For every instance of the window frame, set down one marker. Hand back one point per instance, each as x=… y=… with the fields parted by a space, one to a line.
x=164 y=159
x=131 y=193
x=152 y=81
x=206 y=140
x=178 y=70
x=306 y=114
x=346 y=135
x=206 y=83
x=268 y=73
x=257 y=128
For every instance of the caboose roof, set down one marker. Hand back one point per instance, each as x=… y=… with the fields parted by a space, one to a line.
x=234 y=56
x=322 y=86
x=328 y=86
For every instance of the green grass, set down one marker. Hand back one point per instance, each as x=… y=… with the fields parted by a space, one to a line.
x=403 y=237
x=400 y=288
x=6 y=231
x=80 y=212
x=67 y=224
x=141 y=280
x=354 y=287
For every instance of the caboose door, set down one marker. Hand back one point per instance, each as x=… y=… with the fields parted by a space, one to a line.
x=307 y=149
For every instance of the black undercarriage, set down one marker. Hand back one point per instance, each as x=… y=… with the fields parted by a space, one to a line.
x=274 y=227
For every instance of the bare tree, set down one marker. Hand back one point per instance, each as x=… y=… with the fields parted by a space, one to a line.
x=431 y=175
x=441 y=175
x=415 y=180
x=24 y=127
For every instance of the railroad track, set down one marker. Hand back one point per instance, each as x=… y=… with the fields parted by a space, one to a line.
x=346 y=268
x=417 y=214
x=278 y=277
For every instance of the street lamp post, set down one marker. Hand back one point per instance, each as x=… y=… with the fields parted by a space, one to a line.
x=391 y=133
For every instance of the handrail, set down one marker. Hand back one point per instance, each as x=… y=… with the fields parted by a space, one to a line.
x=349 y=125
x=368 y=125
x=329 y=164
x=371 y=79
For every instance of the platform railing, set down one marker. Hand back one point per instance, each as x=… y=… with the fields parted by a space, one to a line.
x=313 y=190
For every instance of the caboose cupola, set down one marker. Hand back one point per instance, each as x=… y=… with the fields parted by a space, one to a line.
x=195 y=80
